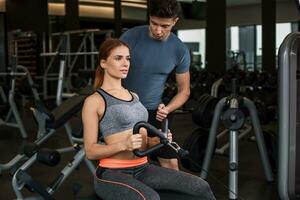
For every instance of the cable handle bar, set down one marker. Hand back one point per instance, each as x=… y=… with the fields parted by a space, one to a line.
x=163 y=139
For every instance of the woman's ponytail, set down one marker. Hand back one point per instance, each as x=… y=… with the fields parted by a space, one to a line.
x=99 y=76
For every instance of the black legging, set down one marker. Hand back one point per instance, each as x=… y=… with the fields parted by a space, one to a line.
x=141 y=182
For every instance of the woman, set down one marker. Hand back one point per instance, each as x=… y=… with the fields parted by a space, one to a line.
x=114 y=110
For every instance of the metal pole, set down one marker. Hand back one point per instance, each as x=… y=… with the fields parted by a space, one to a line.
x=60 y=82
x=233 y=165
x=212 y=138
x=259 y=139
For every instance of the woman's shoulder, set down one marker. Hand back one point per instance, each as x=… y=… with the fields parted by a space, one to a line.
x=94 y=99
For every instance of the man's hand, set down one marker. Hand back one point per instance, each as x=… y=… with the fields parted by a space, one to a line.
x=162 y=112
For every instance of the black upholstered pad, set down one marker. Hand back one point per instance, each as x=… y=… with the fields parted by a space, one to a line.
x=65 y=111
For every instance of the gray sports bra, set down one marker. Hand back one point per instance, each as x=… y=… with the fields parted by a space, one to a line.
x=120 y=115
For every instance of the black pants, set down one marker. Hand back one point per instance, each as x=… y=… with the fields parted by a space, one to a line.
x=141 y=183
x=166 y=151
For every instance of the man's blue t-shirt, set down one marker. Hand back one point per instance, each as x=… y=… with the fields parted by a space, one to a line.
x=151 y=62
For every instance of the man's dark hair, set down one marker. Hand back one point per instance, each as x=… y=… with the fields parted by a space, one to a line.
x=163 y=8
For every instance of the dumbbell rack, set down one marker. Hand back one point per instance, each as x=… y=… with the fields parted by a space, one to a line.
x=234 y=120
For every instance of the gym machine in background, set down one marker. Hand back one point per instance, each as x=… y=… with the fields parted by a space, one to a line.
x=12 y=117
x=82 y=59
x=289 y=116
x=233 y=119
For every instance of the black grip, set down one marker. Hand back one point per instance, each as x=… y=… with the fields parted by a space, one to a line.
x=165 y=126
x=148 y=151
x=33 y=185
x=154 y=131
x=151 y=129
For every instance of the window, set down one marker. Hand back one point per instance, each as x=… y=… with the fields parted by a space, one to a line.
x=282 y=30
x=195 y=40
x=258 y=40
x=234 y=39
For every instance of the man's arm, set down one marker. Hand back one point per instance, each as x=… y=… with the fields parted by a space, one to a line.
x=183 y=93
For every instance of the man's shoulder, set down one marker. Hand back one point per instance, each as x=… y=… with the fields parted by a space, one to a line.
x=175 y=39
x=136 y=29
x=133 y=35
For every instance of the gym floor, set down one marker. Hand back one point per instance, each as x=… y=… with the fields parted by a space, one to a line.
x=252 y=182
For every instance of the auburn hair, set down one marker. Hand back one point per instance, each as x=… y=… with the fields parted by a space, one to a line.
x=104 y=51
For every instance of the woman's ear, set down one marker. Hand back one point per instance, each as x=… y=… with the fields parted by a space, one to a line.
x=103 y=63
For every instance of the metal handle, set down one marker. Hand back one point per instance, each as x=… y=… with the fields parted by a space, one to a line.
x=163 y=139
x=151 y=129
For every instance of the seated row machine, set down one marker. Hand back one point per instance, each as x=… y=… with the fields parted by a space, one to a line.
x=22 y=178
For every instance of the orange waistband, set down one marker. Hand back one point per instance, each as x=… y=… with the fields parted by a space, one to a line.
x=117 y=163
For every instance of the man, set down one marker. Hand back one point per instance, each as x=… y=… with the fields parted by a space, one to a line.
x=155 y=53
